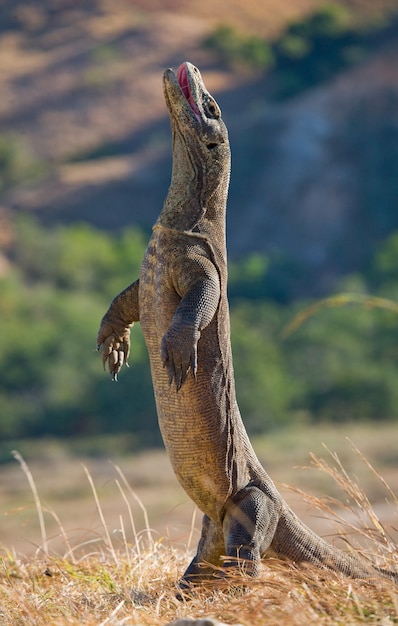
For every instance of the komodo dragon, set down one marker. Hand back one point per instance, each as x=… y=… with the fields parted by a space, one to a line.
x=181 y=302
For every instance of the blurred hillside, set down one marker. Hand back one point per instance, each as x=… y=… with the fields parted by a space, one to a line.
x=85 y=135
x=310 y=97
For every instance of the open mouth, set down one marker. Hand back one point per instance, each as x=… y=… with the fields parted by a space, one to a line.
x=182 y=77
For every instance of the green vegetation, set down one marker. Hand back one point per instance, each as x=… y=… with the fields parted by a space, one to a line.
x=339 y=365
x=314 y=49
x=16 y=162
x=234 y=48
x=310 y=50
x=52 y=381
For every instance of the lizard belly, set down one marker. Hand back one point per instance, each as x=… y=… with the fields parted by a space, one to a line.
x=197 y=435
x=197 y=422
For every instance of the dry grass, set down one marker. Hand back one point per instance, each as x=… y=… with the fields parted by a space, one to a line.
x=120 y=581
x=97 y=591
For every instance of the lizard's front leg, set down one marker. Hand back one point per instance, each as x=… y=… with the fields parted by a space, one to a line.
x=114 y=331
x=197 y=283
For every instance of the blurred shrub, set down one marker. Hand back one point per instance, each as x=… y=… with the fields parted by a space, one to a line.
x=310 y=50
x=78 y=257
x=384 y=269
x=275 y=277
x=51 y=379
x=313 y=49
x=341 y=372
x=247 y=277
x=340 y=365
x=264 y=386
x=16 y=162
x=234 y=48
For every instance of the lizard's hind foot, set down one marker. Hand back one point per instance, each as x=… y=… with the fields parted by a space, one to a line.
x=249 y=524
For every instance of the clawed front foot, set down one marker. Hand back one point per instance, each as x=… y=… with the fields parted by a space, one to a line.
x=179 y=355
x=114 y=336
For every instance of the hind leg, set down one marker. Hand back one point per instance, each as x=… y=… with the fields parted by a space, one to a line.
x=210 y=549
x=249 y=526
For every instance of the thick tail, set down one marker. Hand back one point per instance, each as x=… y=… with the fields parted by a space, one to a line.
x=295 y=541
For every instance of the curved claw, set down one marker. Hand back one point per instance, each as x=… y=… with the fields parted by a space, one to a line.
x=178 y=352
x=115 y=347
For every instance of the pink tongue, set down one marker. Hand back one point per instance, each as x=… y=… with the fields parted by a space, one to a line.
x=182 y=77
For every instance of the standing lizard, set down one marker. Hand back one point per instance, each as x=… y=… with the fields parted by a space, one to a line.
x=180 y=299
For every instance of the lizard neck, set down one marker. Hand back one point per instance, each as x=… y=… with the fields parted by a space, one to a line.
x=197 y=196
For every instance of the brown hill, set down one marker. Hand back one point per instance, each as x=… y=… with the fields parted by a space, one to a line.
x=83 y=117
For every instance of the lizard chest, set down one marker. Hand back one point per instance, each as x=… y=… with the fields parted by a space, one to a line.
x=158 y=299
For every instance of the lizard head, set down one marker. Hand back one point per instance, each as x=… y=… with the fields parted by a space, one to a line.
x=201 y=154
x=193 y=110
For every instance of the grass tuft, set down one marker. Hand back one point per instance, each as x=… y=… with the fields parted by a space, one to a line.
x=32 y=484
x=109 y=582
x=356 y=520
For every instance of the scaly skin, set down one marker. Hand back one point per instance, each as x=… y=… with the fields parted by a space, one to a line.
x=181 y=302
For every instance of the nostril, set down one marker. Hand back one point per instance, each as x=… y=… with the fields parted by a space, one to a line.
x=211 y=146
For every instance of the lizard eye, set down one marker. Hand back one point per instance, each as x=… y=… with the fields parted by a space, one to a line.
x=211 y=109
x=211 y=146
